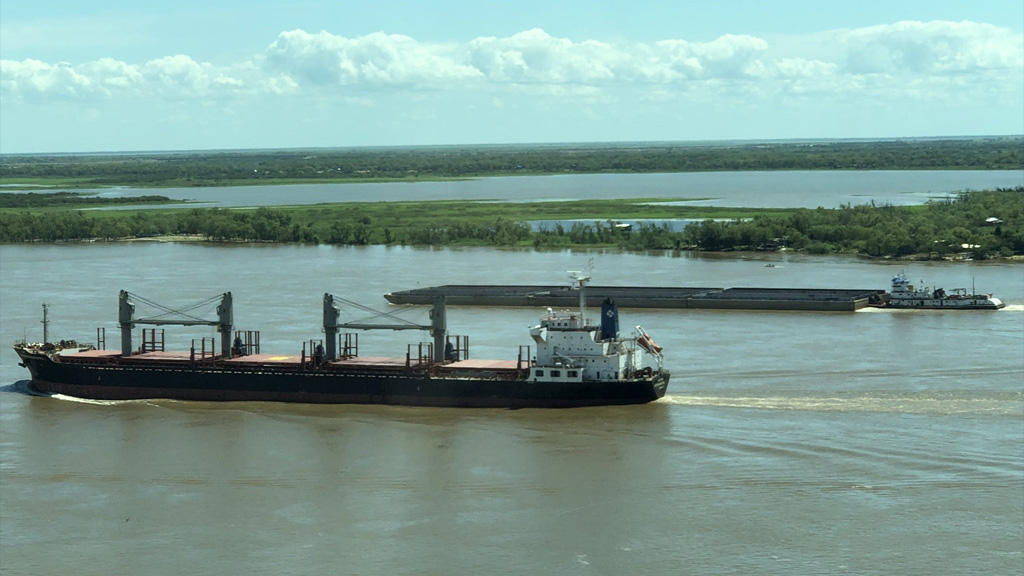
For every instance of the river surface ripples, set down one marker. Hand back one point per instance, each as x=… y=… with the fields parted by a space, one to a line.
x=875 y=442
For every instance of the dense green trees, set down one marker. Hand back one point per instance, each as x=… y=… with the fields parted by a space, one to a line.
x=38 y=200
x=253 y=167
x=937 y=229
x=214 y=223
x=981 y=223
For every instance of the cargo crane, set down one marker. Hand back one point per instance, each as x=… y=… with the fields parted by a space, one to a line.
x=438 y=326
x=127 y=320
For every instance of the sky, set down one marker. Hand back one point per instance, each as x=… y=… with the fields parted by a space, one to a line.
x=138 y=75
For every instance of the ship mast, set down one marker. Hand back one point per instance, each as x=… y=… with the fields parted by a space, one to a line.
x=580 y=280
x=46 y=324
x=580 y=283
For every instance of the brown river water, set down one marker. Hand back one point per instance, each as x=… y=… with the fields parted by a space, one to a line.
x=875 y=442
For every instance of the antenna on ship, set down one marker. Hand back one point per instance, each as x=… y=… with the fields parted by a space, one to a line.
x=46 y=324
x=580 y=282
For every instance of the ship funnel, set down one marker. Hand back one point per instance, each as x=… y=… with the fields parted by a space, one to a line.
x=609 y=320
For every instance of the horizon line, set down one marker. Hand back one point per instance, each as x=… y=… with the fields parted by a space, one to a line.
x=591 y=143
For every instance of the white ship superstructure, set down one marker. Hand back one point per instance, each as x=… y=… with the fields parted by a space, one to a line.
x=903 y=294
x=571 y=349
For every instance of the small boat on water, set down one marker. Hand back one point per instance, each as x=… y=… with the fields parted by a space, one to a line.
x=903 y=294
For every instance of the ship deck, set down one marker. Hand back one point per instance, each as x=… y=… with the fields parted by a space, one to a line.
x=169 y=356
x=371 y=362
x=282 y=361
x=265 y=360
x=91 y=355
x=480 y=365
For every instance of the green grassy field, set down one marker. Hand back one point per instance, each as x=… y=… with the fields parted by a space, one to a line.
x=425 y=213
x=399 y=215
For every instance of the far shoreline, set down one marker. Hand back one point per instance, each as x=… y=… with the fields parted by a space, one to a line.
x=740 y=254
x=212 y=168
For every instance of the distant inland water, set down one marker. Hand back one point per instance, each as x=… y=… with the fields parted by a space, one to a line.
x=799 y=443
x=775 y=189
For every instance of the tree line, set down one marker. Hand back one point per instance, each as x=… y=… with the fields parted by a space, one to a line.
x=984 y=224
x=66 y=199
x=253 y=167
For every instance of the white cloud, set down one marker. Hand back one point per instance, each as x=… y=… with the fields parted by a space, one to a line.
x=181 y=76
x=919 y=73
x=33 y=78
x=112 y=74
x=177 y=72
x=804 y=68
x=924 y=48
x=889 y=56
x=534 y=57
x=374 y=59
x=728 y=56
x=174 y=77
x=280 y=85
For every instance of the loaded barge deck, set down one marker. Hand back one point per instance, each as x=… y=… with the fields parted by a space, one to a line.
x=813 y=299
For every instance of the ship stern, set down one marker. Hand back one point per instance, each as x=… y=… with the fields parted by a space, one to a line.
x=659 y=383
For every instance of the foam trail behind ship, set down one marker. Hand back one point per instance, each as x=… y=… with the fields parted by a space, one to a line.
x=999 y=404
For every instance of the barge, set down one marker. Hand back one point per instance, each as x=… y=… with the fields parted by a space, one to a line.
x=577 y=363
x=826 y=300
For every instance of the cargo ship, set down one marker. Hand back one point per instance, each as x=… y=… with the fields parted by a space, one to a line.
x=577 y=363
x=904 y=295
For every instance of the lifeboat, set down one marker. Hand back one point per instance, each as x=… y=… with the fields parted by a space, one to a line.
x=646 y=342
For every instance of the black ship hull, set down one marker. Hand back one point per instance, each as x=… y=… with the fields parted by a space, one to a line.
x=407 y=388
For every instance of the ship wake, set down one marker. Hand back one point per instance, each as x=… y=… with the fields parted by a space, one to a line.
x=66 y=398
x=1005 y=404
